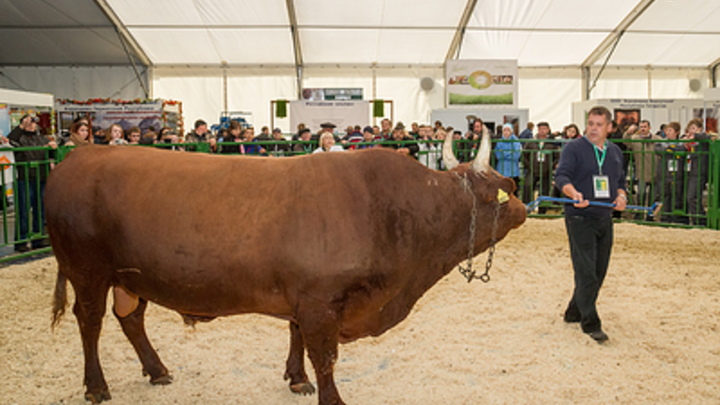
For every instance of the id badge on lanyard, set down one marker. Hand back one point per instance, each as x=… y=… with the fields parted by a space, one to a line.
x=601 y=186
x=601 y=183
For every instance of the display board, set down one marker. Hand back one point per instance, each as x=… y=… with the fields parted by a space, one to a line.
x=631 y=111
x=481 y=82
x=340 y=113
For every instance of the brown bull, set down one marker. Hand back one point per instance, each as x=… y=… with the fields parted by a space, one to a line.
x=340 y=244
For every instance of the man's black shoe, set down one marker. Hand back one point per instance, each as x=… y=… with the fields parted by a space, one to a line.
x=22 y=248
x=598 y=335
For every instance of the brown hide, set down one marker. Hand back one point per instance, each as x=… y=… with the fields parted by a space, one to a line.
x=365 y=233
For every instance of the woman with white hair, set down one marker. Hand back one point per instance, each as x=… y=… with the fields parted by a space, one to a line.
x=327 y=144
x=507 y=153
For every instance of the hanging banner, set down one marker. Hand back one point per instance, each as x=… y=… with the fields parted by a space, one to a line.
x=482 y=82
x=340 y=113
x=145 y=116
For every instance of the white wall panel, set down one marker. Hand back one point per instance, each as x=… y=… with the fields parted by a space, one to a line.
x=200 y=91
x=549 y=93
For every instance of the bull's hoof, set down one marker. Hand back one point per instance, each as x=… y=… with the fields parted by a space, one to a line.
x=304 y=388
x=98 y=397
x=301 y=388
x=162 y=380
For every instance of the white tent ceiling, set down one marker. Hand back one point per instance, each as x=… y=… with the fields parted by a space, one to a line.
x=420 y=32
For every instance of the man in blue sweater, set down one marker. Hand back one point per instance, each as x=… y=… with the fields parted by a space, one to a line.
x=591 y=169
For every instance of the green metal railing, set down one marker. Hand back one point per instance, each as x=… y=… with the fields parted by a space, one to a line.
x=536 y=168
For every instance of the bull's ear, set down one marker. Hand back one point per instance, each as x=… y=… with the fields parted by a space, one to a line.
x=499 y=189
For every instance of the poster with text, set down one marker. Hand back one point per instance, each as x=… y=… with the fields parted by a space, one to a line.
x=482 y=82
x=340 y=113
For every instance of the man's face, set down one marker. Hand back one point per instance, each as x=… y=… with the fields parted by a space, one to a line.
x=376 y=129
x=414 y=127
x=305 y=136
x=644 y=128
x=477 y=126
x=385 y=125
x=398 y=134
x=543 y=132
x=597 y=126
x=277 y=135
x=692 y=130
x=202 y=129
x=368 y=136
x=28 y=124
x=134 y=137
x=250 y=133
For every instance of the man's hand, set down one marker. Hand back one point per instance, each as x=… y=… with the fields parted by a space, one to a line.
x=570 y=191
x=403 y=151
x=620 y=202
x=582 y=202
x=53 y=144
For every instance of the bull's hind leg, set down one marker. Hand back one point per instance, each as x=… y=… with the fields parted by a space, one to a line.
x=89 y=310
x=320 y=333
x=295 y=366
x=133 y=325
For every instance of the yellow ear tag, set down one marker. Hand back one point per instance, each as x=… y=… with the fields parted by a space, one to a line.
x=502 y=196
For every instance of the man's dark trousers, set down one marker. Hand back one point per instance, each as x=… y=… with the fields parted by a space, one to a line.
x=590 y=246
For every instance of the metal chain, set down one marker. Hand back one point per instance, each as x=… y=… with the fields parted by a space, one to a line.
x=468 y=271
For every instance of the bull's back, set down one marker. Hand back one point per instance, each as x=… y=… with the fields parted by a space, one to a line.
x=249 y=229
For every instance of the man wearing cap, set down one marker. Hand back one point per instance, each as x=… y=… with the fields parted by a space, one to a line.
x=30 y=182
x=306 y=146
x=368 y=138
x=280 y=147
x=200 y=135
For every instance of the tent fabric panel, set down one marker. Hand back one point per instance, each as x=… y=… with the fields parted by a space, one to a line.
x=402 y=46
x=685 y=15
x=254 y=46
x=665 y=50
x=78 y=83
x=531 y=49
x=56 y=13
x=179 y=46
x=206 y=13
x=551 y=14
x=61 y=46
x=339 y=46
x=380 y=13
x=413 y=46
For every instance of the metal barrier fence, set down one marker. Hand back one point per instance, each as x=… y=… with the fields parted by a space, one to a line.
x=689 y=188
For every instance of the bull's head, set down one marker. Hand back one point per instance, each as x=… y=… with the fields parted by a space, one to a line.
x=481 y=164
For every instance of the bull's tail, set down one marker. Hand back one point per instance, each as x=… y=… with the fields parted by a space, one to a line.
x=59 y=299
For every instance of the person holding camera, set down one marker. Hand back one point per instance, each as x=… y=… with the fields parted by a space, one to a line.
x=30 y=183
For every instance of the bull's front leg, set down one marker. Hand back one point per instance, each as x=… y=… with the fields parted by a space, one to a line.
x=295 y=366
x=320 y=332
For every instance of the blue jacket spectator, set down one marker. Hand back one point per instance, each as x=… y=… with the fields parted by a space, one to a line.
x=507 y=152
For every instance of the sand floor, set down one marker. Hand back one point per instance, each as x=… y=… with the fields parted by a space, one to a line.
x=498 y=343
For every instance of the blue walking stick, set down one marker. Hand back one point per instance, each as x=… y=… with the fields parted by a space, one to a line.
x=540 y=199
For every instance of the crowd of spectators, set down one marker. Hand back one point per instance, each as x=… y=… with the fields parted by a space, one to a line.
x=669 y=167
